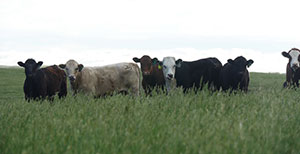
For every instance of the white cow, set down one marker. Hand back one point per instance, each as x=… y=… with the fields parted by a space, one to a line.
x=169 y=65
x=101 y=81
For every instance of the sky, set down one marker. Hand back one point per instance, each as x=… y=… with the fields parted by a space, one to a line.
x=101 y=32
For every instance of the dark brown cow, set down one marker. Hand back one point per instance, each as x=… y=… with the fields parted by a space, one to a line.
x=292 y=68
x=152 y=73
x=44 y=82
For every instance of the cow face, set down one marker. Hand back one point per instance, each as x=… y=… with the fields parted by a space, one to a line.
x=30 y=66
x=294 y=58
x=146 y=64
x=240 y=64
x=169 y=65
x=72 y=68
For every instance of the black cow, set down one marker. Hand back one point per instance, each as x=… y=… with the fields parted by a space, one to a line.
x=44 y=82
x=234 y=74
x=198 y=73
x=292 y=68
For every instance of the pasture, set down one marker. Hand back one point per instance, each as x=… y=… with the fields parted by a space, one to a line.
x=265 y=120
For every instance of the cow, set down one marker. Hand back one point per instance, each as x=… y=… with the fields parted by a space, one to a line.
x=169 y=65
x=234 y=74
x=41 y=83
x=292 y=68
x=152 y=73
x=197 y=74
x=194 y=74
x=104 y=80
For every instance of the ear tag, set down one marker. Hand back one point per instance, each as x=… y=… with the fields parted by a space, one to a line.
x=159 y=67
x=154 y=63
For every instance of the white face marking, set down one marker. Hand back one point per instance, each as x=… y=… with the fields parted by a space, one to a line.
x=169 y=66
x=294 y=58
x=71 y=68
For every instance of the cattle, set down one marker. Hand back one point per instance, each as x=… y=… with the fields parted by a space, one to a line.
x=292 y=68
x=104 y=80
x=197 y=74
x=169 y=65
x=234 y=74
x=194 y=74
x=43 y=82
x=152 y=73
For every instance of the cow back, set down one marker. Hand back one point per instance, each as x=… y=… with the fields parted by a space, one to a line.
x=104 y=80
x=192 y=73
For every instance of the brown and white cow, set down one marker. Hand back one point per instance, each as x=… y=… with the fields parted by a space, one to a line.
x=152 y=73
x=104 y=80
x=292 y=68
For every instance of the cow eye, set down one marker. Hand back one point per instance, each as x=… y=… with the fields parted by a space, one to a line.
x=165 y=66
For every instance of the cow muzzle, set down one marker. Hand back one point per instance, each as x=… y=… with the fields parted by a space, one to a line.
x=241 y=73
x=295 y=67
x=72 y=78
x=146 y=73
x=170 y=76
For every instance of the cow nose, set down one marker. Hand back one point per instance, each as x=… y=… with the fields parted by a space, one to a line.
x=241 y=73
x=170 y=76
x=72 y=78
x=146 y=73
x=295 y=67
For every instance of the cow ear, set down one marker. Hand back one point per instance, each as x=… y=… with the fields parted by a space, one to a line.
x=285 y=54
x=160 y=63
x=230 y=61
x=21 y=64
x=137 y=60
x=40 y=63
x=250 y=62
x=178 y=62
x=80 y=67
x=154 y=61
x=63 y=66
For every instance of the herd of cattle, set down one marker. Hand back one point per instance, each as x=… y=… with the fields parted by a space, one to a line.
x=41 y=83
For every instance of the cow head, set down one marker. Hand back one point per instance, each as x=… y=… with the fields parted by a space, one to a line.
x=294 y=58
x=31 y=66
x=169 y=65
x=240 y=63
x=146 y=64
x=72 y=68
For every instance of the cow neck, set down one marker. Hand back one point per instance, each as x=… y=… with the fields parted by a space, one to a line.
x=31 y=78
x=76 y=83
x=148 y=77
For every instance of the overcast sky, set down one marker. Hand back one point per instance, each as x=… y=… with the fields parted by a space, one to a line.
x=96 y=32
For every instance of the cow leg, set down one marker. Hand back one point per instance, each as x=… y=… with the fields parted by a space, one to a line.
x=27 y=98
x=148 y=90
x=135 y=91
x=43 y=93
x=50 y=98
x=286 y=84
x=63 y=90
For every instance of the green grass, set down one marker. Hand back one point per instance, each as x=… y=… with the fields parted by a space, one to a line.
x=266 y=120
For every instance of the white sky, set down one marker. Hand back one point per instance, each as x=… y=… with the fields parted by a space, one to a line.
x=98 y=32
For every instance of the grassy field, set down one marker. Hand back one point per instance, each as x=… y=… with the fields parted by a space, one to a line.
x=266 y=120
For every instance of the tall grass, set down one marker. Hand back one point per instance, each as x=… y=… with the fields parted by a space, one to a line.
x=264 y=120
